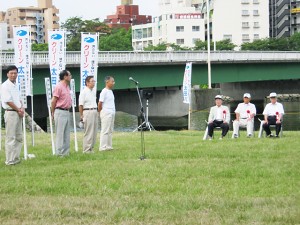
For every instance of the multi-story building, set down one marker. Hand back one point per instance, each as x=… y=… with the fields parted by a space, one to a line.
x=41 y=18
x=5 y=43
x=179 y=23
x=239 y=20
x=127 y=15
x=284 y=17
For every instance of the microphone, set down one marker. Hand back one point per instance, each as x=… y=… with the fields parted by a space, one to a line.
x=136 y=82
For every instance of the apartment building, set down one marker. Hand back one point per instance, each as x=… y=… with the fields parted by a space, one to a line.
x=5 y=43
x=179 y=23
x=284 y=17
x=41 y=19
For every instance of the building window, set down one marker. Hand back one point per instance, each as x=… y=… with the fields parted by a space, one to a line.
x=255 y=37
x=245 y=25
x=245 y=38
x=195 y=28
x=245 y=1
x=255 y=1
x=245 y=13
x=179 y=28
x=256 y=24
x=227 y=37
x=180 y=41
x=255 y=13
x=8 y=42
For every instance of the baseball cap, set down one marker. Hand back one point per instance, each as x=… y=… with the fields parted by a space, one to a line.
x=247 y=95
x=273 y=95
x=218 y=97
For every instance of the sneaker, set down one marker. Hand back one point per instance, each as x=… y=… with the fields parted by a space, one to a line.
x=221 y=138
x=235 y=136
x=249 y=136
x=209 y=138
x=270 y=136
x=277 y=136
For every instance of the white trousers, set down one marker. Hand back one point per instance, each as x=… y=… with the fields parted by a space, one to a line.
x=14 y=137
x=245 y=123
x=90 y=120
x=107 y=127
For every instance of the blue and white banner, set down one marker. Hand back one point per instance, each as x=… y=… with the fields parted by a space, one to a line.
x=22 y=49
x=89 y=57
x=187 y=82
x=57 y=54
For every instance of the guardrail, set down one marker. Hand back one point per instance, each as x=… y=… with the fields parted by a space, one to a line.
x=108 y=58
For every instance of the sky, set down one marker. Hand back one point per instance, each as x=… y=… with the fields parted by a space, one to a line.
x=87 y=9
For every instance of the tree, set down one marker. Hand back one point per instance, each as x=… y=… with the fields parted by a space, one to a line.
x=224 y=45
x=74 y=27
x=39 y=47
x=164 y=47
x=119 y=40
x=294 y=42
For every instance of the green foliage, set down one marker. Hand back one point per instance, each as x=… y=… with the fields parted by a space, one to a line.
x=274 y=44
x=76 y=25
x=182 y=181
x=118 y=40
x=224 y=45
x=165 y=46
x=39 y=47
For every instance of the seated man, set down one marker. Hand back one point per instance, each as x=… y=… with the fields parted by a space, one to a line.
x=273 y=113
x=244 y=113
x=219 y=116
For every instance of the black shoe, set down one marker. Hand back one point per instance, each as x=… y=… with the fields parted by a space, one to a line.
x=277 y=136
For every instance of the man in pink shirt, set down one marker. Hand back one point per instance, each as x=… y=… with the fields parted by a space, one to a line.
x=60 y=105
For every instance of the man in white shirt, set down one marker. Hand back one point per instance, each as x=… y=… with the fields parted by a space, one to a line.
x=245 y=113
x=273 y=114
x=89 y=114
x=219 y=116
x=14 y=113
x=106 y=107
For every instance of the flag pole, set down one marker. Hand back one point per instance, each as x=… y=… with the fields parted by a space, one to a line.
x=208 y=45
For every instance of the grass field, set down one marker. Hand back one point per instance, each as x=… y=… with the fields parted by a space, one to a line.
x=184 y=180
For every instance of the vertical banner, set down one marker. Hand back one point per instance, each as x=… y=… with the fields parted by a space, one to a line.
x=187 y=81
x=89 y=57
x=49 y=97
x=73 y=93
x=57 y=54
x=23 y=97
x=22 y=49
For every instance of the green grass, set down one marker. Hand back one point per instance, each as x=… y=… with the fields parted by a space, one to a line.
x=184 y=180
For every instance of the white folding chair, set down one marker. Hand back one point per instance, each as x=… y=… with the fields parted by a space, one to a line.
x=261 y=129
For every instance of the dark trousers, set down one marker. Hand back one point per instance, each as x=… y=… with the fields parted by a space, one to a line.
x=272 y=121
x=214 y=124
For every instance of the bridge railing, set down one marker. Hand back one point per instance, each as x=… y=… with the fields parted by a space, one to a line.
x=73 y=58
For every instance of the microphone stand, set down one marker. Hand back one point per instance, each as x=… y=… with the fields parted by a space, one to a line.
x=142 y=115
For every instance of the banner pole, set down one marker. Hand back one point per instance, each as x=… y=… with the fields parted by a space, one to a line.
x=73 y=110
x=49 y=96
x=51 y=130
x=25 y=140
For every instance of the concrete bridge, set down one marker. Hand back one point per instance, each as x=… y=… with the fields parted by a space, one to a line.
x=165 y=69
x=162 y=72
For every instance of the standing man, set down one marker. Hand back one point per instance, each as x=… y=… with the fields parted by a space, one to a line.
x=273 y=114
x=89 y=114
x=219 y=116
x=245 y=113
x=14 y=113
x=106 y=107
x=60 y=106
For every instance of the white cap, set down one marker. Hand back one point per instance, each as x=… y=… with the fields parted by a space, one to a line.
x=273 y=95
x=247 y=95
x=218 y=97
